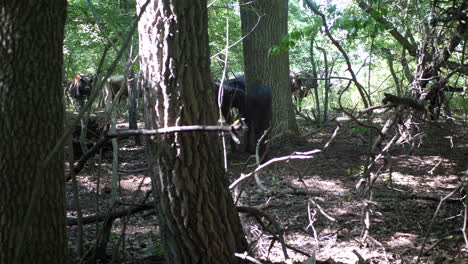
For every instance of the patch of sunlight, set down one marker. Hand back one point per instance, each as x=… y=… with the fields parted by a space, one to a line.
x=318 y=184
x=405 y=179
x=402 y=240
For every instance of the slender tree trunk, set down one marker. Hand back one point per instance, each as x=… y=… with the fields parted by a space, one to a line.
x=272 y=70
x=198 y=220
x=132 y=110
x=32 y=192
x=314 y=81
x=389 y=58
x=327 y=72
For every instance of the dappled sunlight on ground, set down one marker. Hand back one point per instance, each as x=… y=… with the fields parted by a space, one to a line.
x=314 y=195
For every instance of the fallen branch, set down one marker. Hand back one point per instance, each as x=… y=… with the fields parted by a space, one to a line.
x=294 y=155
x=232 y=129
x=416 y=195
x=274 y=228
x=82 y=161
x=128 y=210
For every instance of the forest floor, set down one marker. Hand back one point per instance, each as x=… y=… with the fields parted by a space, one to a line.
x=314 y=199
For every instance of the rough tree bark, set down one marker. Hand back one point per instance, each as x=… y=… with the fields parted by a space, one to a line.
x=272 y=70
x=198 y=220
x=32 y=196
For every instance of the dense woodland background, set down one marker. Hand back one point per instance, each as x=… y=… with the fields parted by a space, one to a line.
x=367 y=157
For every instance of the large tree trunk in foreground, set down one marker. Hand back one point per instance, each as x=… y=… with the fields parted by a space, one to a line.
x=272 y=70
x=32 y=192
x=198 y=220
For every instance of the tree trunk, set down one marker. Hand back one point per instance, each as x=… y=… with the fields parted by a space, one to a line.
x=198 y=220
x=314 y=81
x=32 y=196
x=133 y=106
x=271 y=70
x=327 y=73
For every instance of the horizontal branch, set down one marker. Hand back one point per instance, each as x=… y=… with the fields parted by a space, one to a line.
x=128 y=210
x=174 y=129
x=295 y=155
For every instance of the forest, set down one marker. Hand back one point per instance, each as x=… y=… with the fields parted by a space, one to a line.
x=222 y=131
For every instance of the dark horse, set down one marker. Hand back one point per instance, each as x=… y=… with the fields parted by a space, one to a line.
x=232 y=98
x=258 y=115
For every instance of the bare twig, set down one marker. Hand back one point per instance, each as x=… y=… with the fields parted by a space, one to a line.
x=294 y=155
x=442 y=200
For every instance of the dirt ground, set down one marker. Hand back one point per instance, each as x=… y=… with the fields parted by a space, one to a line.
x=315 y=200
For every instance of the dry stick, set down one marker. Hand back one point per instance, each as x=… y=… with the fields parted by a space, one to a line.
x=174 y=129
x=211 y=4
x=134 y=171
x=121 y=239
x=76 y=202
x=115 y=166
x=99 y=249
x=258 y=160
x=322 y=211
x=360 y=258
x=115 y=145
x=433 y=220
x=247 y=257
x=220 y=94
x=370 y=181
x=294 y=155
x=83 y=135
x=311 y=217
x=132 y=208
x=126 y=217
x=98 y=185
x=465 y=215
x=274 y=228
x=127 y=210
x=239 y=40
x=82 y=161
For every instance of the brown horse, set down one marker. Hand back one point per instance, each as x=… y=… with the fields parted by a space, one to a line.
x=80 y=88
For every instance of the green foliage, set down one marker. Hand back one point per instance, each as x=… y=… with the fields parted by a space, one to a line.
x=292 y=39
x=355 y=171
x=359 y=130
x=459 y=103
x=113 y=235
x=362 y=38
x=225 y=15
x=84 y=43
x=153 y=250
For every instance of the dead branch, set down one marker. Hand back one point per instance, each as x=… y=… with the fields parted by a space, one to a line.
x=128 y=210
x=357 y=119
x=90 y=153
x=274 y=228
x=416 y=195
x=442 y=200
x=361 y=259
x=247 y=257
x=232 y=129
x=404 y=101
x=294 y=155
